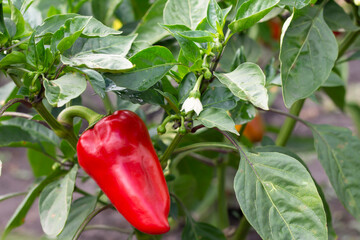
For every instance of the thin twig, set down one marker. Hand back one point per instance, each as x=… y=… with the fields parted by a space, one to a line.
x=203 y=159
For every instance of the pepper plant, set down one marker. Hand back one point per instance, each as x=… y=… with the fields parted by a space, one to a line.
x=194 y=71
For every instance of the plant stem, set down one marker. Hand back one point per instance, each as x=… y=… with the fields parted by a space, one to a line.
x=107 y=104
x=289 y=124
x=170 y=149
x=209 y=146
x=66 y=117
x=243 y=229
x=347 y=42
x=88 y=219
x=222 y=214
x=11 y=195
x=107 y=228
x=58 y=129
x=79 y=190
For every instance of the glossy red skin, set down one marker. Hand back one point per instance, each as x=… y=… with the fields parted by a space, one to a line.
x=118 y=154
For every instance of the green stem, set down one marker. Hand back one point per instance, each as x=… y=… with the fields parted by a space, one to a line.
x=107 y=228
x=108 y=105
x=59 y=129
x=209 y=146
x=222 y=214
x=11 y=195
x=88 y=219
x=289 y=124
x=78 y=190
x=67 y=116
x=170 y=149
x=347 y=42
x=243 y=229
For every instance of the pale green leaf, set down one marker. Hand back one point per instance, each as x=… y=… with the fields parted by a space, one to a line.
x=188 y=12
x=247 y=82
x=62 y=90
x=55 y=201
x=79 y=211
x=250 y=12
x=279 y=198
x=296 y=3
x=218 y=118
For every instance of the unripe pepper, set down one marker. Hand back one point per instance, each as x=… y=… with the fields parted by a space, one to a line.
x=118 y=154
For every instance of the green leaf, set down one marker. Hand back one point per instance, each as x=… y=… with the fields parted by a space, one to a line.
x=189 y=49
x=218 y=118
x=247 y=82
x=338 y=151
x=55 y=201
x=286 y=151
x=119 y=45
x=337 y=18
x=279 y=198
x=195 y=231
x=296 y=3
x=62 y=90
x=250 y=12
x=99 y=61
x=18 y=19
x=96 y=80
x=151 y=65
x=20 y=132
x=188 y=13
x=18 y=217
x=41 y=162
x=337 y=95
x=149 y=29
x=91 y=26
x=197 y=36
x=103 y=10
x=186 y=85
x=79 y=211
x=334 y=80
x=308 y=53
x=215 y=16
x=14 y=57
x=243 y=113
x=354 y=110
x=218 y=96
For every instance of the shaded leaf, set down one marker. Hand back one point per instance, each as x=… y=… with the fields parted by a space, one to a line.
x=308 y=53
x=195 y=231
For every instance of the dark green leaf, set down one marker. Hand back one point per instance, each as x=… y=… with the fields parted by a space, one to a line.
x=218 y=96
x=337 y=18
x=247 y=82
x=185 y=87
x=54 y=203
x=354 y=110
x=338 y=151
x=215 y=15
x=79 y=211
x=243 y=113
x=276 y=192
x=334 y=80
x=41 y=162
x=308 y=40
x=62 y=90
x=337 y=95
x=19 y=132
x=196 y=231
x=96 y=80
x=218 y=118
x=103 y=10
x=151 y=65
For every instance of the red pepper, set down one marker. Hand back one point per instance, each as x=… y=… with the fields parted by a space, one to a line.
x=118 y=154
